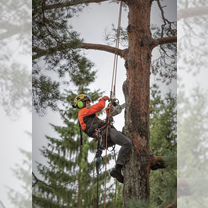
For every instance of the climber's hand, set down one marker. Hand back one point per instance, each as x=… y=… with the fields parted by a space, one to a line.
x=106 y=98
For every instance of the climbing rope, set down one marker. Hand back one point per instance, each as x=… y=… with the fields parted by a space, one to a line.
x=115 y=62
x=112 y=93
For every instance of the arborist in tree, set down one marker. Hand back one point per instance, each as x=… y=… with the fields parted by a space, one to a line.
x=91 y=125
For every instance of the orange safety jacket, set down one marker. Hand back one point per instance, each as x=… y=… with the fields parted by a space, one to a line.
x=88 y=119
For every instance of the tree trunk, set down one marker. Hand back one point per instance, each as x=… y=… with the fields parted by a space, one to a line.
x=136 y=90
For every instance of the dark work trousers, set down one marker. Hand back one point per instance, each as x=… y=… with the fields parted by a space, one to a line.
x=116 y=137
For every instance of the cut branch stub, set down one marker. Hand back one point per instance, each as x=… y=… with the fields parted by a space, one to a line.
x=157 y=162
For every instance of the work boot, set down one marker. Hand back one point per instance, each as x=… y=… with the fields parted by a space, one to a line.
x=116 y=173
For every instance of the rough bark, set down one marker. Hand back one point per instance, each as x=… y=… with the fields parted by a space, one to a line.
x=136 y=91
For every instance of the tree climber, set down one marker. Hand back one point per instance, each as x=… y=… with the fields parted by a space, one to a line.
x=90 y=123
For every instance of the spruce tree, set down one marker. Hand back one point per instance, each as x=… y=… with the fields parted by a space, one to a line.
x=70 y=179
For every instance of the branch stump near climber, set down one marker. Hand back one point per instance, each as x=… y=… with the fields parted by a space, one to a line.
x=90 y=124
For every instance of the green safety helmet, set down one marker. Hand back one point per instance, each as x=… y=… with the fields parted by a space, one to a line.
x=79 y=101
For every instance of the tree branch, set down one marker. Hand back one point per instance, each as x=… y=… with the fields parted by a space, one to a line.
x=105 y=48
x=71 y=3
x=164 y=40
x=157 y=163
x=42 y=52
x=192 y=12
x=167 y=25
x=39 y=181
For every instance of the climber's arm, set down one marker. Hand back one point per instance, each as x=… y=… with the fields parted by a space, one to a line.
x=97 y=107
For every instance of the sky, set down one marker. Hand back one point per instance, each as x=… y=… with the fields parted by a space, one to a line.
x=92 y=24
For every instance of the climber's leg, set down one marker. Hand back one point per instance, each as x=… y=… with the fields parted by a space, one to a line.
x=125 y=143
x=123 y=155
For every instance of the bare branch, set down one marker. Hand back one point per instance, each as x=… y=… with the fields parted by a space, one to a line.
x=162 y=11
x=166 y=22
x=42 y=52
x=165 y=40
x=192 y=12
x=71 y=3
x=105 y=48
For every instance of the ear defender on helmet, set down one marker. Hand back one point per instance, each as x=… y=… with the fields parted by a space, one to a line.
x=80 y=104
x=80 y=101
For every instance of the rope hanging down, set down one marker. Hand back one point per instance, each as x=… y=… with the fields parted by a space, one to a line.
x=115 y=62
x=113 y=89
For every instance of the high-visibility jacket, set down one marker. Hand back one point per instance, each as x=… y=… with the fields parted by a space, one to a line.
x=88 y=117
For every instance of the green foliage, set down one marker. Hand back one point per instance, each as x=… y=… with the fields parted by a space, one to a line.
x=47 y=93
x=137 y=204
x=164 y=65
x=163 y=143
x=55 y=53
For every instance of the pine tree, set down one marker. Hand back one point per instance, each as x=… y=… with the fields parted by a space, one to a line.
x=51 y=30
